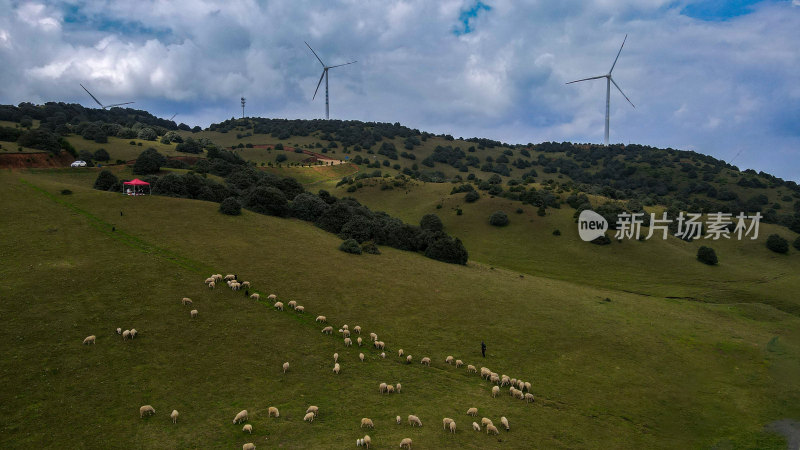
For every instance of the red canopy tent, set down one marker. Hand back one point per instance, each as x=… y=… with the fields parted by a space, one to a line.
x=137 y=186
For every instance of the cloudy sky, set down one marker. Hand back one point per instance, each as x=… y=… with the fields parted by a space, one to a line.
x=718 y=77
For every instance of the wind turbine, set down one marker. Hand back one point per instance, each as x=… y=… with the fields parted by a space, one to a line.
x=102 y=105
x=609 y=80
x=324 y=75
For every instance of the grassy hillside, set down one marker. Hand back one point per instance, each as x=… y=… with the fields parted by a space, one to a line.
x=633 y=371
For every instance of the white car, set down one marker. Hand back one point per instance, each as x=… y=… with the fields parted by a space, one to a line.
x=78 y=163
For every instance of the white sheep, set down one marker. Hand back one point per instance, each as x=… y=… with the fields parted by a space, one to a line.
x=146 y=410
x=126 y=335
x=519 y=395
x=527 y=386
x=358 y=340
x=235 y=286
x=119 y=330
x=361 y=357
x=379 y=345
x=336 y=368
x=249 y=446
x=272 y=297
x=529 y=397
x=209 y=280
x=321 y=319
x=495 y=391
x=504 y=380
x=133 y=333
x=345 y=332
x=382 y=388
x=229 y=277
x=345 y=327
x=399 y=386
x=471 y=368
x=459 y=363
x=89 y=339
x=348 y=342
x=313 y=409
x=475 y=426
x=399 y=420
x=365 y=422
x=217 y=276
x=300 y=309
x=426 y=361
x=193 y=313
x=453 y=426
x=408 y=359
x=309 y=417
x=246 y=284
x=273 y=411
x=472 y=412
x=212 y=285
x=486 y=421
x=520 y=385
x=414 y=420
x=390 y=389
x=357 y=329
x=285 y=367
x=383 y=355
x=292 y=304
x=491 y=429
x=327 y=330
x=504 y=421
x=241 y=417
x=485 y=373
x=449 y=359
x=445 y=422
x=406 y=442
x=335 y=357
x=279 y=306
x=174 y=416
x=248 y=428
x=373 y=336
x=400 y=352
x=255 y=296
x=186 y=301
x=367 y=441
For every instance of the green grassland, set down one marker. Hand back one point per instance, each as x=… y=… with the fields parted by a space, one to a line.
x=638 y=370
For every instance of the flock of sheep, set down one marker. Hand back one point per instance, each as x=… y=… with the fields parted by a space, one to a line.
x=517 y=386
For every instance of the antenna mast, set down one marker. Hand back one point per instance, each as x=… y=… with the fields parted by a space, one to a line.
x=243 y=100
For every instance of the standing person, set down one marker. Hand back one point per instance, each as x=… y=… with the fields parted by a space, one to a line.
x=483 y=349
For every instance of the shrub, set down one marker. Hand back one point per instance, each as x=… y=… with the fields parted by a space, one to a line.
x=101 y=155
x=230 y=206
x=706 y=255
x=308 y=207
x=431 y=222
x=499 y=219
x=370 y=247
x=105 y=180
x=350 y=246
x=147 y=134
x=471 y=197
x=542 y=211
x=267 y=200
x=280 y=158
x=777 y=244
x=459 y=212
x=556 y=232
x=149 y=162
x=447 y=249
x=66 y=192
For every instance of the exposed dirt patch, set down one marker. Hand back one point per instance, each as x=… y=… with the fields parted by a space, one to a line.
x=25 y=160
x=788 y=428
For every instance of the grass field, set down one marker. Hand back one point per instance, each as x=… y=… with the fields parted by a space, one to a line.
x=638 y=371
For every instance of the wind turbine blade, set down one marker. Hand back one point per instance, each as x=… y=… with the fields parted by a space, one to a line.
x=620 y=91
x=173 y=116
x=592 y=78
x=340 y=65
x=93 y=97
x=620 y=51
x=320 y=82
x=315 y=54
x=118 y=104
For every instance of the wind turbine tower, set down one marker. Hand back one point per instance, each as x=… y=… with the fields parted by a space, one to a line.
x=324 y=75
x=609 y=81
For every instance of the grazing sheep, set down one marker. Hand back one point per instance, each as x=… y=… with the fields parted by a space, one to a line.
x=361 y=357
x=248 y=428
x=255 y=297
x=146 y=410
x=514 y=381
x=133 y=333
x=313 y=409
x=528 y=397
x=426 y=361
x=512 y=391
x=358 y=340
x=367 y=423
x=119 y=330
x=485 y=421
x=445 y=422
x=449 y=359
x=357 y=329
x=309 y=417
x=249 y=446
x=300 y=309
x=408 y=359
x=406 y=442
x=399 y=421
x=367 y=441
x=345 y=327
x=494 y=378
x=518 y=394
x=273 y=410
x=186 y=301
x=475 y=426
x=235 y=286
x=285 y=367
x=527 y=386
x=382 y=388
x=504 y=421
x=217 y=276
x=491 y=429
x=278 y=306
x=471 y=368
x=414 y=420
x=520 y=385
x=335 y=357
x=348 y=342
x=373 y=336
x=459 y=363
x=193 y=313
x=246 y=284
x=272 y=297
x=399 y=387
x=485 y=372
x=212 y=285
x=292 y=304
x=322 y=319
x=390 y=389
x=241 y=417
x=209 y=280
x=327 y=330
x=380 y=345
x=504 y=380
x=472 y=412
x=383 y=355
x=345 y=332
x=126 y=335
x=336 y=368
x=229 y=277
x=400 y=352
x=89 y=339
x=495 y=391
x=174 y=416
x=453 y=426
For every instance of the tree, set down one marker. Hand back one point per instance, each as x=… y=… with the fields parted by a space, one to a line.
x=777 y=244
x=230 y=206
x=447 y=249
x=268 y=200
x=101 y=155
x=706 y=255
x=147 y=134
x=105 y=180
x=149 y=162
x=499 y=219
x=308 y=207
x=471 y=197
x=431 y=222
